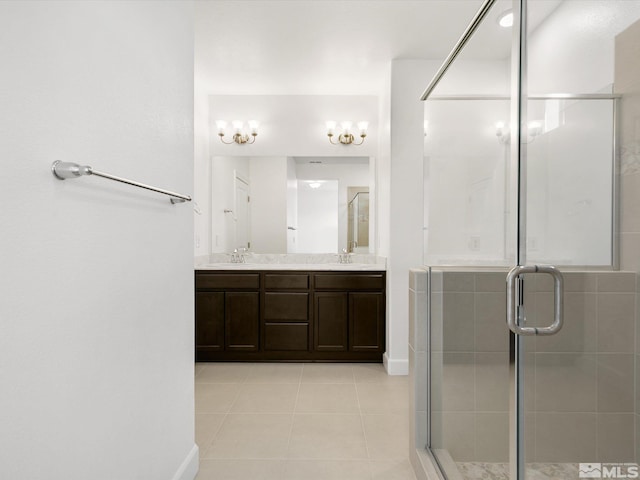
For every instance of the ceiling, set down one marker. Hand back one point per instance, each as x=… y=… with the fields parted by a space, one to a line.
x=330 y=47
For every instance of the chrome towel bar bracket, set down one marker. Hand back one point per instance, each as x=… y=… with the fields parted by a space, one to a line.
x=63 y=170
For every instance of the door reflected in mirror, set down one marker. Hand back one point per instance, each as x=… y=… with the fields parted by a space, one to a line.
x=292 y=204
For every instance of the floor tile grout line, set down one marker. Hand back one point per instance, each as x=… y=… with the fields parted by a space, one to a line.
x=364 y=432
x=293 y=420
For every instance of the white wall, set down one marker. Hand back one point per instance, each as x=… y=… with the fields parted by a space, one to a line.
x=573 y=50
x=96 y=350
x=268 y=204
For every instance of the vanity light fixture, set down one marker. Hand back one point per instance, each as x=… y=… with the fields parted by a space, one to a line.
x=534 y=129
x=505 y=19
x=239 y=136
x=347 y=137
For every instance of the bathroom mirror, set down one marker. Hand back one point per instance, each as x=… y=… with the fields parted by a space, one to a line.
x=281 y=204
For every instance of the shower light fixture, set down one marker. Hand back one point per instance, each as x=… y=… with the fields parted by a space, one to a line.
x=506 y=19
x=239 y=136
x=346 y=137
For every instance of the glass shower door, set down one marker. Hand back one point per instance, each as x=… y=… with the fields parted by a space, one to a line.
x=574 y=413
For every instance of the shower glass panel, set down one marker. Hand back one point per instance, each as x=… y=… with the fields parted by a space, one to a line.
x=579 y=405
x=469 y=245
x=546 y=194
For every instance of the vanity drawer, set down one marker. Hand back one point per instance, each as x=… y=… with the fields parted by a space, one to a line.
x=286 y=306
x=333 y=281
x=286 y=337
x=227 y=281
x=284 y=281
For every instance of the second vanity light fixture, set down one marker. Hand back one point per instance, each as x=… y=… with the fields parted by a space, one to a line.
x=239 y=135
x=347 y=137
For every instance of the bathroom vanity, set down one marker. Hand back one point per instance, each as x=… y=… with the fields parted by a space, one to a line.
x=290 y=313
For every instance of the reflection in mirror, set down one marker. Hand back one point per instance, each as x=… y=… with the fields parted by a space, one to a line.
x=358 y=223
x=291 y=204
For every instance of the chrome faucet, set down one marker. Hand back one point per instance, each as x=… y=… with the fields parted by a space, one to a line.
x=345 y=257
x=238 y=255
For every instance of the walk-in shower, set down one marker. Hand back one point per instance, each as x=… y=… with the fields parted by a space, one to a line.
x=531 y=168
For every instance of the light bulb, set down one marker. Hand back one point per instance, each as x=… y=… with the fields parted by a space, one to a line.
x=314 y=184
x=362 y=126
x=535 y=128
x=221 y=124
x=346 y=127
x=237 y=126
x=499 y=129
x=505 y=19
x=253 y=126
x=331 y=126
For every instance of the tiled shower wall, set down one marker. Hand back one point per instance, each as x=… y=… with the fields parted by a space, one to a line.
x=627 y=83
x=579 y=394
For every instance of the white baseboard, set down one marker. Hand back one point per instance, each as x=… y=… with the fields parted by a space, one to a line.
x=395 y=366
x=189 y=467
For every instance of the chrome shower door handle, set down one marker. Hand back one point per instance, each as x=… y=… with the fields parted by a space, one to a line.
x=512 y=303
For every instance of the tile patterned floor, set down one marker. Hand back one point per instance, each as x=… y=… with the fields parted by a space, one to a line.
x=312 y=421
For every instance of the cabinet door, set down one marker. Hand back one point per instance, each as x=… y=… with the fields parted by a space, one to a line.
x=331 y=321
x=366 y=322
x=209 y=321
x=242 y=317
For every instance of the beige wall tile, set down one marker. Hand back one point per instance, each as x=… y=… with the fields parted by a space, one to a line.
x=579 y=331
x=630 y=194
x=436 y=280
x=491 y=281
x=616 y=382
x=458 y=322
x=616 y=437
x=492 y=382
x=565 y=382
x=458 y=282
x=617 y=282
x=418 y=280
x=492 y=333
x=565 y=437
x=630 y=251
x=492 y=437
x=458 y=435
x=437 y=328
x=458 y=382
x=616 y=322
x=580 y=281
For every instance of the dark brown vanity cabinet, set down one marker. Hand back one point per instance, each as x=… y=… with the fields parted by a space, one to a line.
x=227 y=314
x=290 y=316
